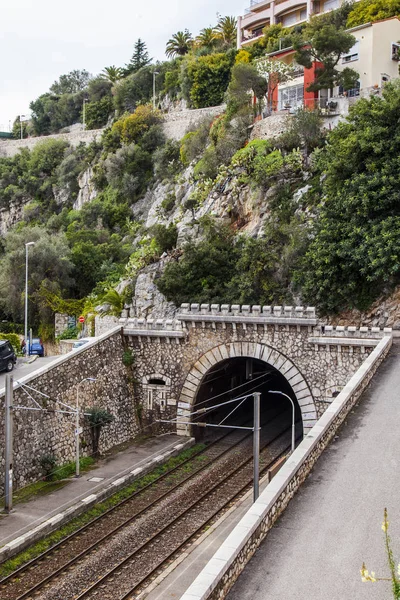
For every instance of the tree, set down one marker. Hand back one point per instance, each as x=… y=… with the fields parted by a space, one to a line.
x=355 y=248
x=179 y=44
x=112 y=304
x=49 y=262
x=112 y=74
x=134 y=90
x=206 y=38
x=98 y=418
x=326 y=42
x=303 y=131
x=208 y=78
x=245 y=78
x=97 y=113
x=369 y=11
x=226 y=30
x=274 y=72
x=71 y=83
x=140 y=58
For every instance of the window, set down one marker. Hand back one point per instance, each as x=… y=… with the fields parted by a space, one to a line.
x=331 y=5
x=350 y=93
x=352 y=54
x=289 y=20
x=395 y=52
x=303 y=14
x=291 y=97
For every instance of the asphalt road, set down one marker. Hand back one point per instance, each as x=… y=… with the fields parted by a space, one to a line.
x=22 y=368
x=333 y=524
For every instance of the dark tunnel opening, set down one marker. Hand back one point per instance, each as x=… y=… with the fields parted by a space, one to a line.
x=235 y=378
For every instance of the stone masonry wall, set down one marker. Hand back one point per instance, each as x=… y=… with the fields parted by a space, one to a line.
x=39 y=433
x=12 y=147
x=325 y=360
x=219 y=575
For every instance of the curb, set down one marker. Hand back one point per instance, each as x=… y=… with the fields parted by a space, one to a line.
x=37 y=533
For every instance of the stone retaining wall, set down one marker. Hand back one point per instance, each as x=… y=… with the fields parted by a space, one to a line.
x=11 y=147
x=221 y=572
x=176 y=123
x=38 y=433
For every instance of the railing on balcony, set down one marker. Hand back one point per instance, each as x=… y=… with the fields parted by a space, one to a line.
x=252 y=36
x=253 y=4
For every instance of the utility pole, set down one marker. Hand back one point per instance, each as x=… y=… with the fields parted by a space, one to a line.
x=27 y=345
x=84 y=113
x=154 y=88
x=256 y=446
x=8 y=452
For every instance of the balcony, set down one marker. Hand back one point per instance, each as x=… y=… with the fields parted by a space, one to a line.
x=256 y=5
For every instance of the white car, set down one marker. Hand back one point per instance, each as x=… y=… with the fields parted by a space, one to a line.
x=82 y=342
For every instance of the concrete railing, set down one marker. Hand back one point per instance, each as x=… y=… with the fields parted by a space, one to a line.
x=152 y=327
x=245 y=310
x=354 y=332
x=219 y=575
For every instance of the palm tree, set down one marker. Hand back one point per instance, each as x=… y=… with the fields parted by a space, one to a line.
x=112 y=304
x=112 y=74
x=179 y=44
x=206 y=37
x=226 y=30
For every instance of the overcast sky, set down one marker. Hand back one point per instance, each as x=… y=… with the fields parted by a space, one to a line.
x=42 y=39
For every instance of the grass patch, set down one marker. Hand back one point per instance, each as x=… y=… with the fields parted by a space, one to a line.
x=41 y=488
x=26 y=555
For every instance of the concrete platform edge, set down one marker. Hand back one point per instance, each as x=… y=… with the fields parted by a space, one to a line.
x=40 y=531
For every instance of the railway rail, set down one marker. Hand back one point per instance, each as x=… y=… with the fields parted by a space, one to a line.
x=28 y=581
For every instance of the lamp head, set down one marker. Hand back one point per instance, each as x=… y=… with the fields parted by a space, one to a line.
x=30 y=244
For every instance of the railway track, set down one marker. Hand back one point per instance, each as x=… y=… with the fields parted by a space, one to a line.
x=29 y=579
x=128 y=577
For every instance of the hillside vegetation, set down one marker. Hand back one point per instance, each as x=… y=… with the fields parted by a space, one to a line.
x=311 y=216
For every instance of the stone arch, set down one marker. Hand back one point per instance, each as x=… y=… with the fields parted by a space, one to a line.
x=267 y=354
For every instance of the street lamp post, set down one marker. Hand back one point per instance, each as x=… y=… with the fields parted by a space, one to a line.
x=26 y=296
x=84 y=113
x=77 y=430
x=293 y=416
x=154 y=88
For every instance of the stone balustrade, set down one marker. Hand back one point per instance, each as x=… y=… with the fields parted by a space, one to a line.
x=245 y=310
x=152 y=327
x=354 y=332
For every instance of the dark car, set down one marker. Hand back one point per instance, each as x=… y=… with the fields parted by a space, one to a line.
x=37 y=347
x=7 y=356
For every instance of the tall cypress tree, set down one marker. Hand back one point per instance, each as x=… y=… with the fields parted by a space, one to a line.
x=140 y=58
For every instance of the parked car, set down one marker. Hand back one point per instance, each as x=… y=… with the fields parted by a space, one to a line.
x=82 y=342
x=8 y=357
x=37 y=347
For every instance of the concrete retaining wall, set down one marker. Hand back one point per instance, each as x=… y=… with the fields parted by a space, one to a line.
x=221 y=572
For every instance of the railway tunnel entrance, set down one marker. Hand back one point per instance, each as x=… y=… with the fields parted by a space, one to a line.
x=235 y=378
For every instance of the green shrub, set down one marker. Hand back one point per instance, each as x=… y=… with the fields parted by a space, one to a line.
x=69 y=334
x=167 y=161
x=168 y=203
x=48 y=462
x=97 y=113
x=13 y=338
x=194 y=142
x=128 y=358
x=165 y=237
x=209 y=78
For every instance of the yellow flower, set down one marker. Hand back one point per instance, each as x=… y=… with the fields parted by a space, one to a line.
x=366 y=576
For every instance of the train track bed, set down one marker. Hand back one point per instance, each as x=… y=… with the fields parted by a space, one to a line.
x=150 y=525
